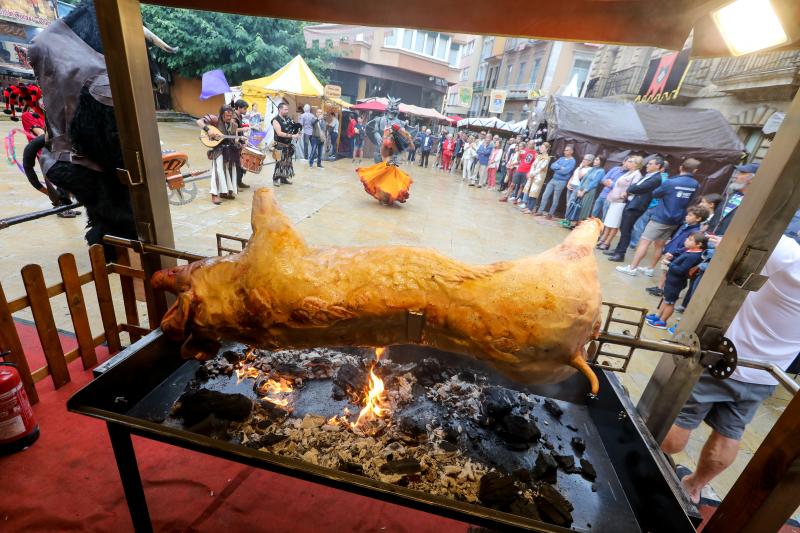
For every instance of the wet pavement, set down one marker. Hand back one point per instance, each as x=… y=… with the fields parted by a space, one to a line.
x=329 y=207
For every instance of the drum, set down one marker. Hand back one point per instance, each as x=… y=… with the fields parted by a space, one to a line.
x=252 y=160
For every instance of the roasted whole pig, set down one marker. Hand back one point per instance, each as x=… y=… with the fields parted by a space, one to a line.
x=531 y=318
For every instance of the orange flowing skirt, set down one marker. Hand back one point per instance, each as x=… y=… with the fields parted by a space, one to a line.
x=387 y=183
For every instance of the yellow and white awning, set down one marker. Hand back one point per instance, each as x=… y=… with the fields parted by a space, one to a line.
x=294 y=78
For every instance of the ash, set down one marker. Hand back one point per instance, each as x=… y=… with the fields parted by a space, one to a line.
x=449 y=432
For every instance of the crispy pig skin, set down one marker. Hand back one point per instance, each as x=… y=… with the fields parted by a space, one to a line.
x=531 y=317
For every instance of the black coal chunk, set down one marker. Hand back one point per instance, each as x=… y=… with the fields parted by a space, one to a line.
x=412 y=425
x=497 y=490
x=518 y=431
x=522 y=475
x=546 y=468
x=195 y=405
x=524 y=508
x=553 y=507
x=567 y=464
x=466 y=375
x=587 y=470
x=573 y=428
x=349 y=382
x=578 y=444
x=265 y=441
x=429 y=372
x=352 y=468
x=406 y=466
x=497 y=401
x=272 y=411
x=553 y=408
x=232 y=356
x=264 y=424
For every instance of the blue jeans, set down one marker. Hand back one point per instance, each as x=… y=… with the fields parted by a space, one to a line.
x=638 y=228
x=598 y=211
x=552 y=191
x=316 y=152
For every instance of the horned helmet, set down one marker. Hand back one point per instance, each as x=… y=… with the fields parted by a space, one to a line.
x=393 y=105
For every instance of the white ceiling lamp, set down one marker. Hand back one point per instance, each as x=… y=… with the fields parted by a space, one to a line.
x=749 y=26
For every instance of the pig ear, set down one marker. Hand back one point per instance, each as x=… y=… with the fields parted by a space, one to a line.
x=177 y=318
x=579 y=362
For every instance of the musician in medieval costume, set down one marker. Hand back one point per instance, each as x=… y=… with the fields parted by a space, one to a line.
x=286 y=130
x=225 y=156
x=384 y=180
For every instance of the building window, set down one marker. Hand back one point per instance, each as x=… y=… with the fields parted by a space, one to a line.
x=509 y=116
x=408 y=39
x=753 y=140
x=315 y=43
x=521 y=73
x=464 y=76
x=535 y=71
x=455 y=54
x=481 y=73
x=508 y=74
x=328 y=43
x=360 y=37
x=442 y=46
x=580 y=68
x=487 y=47
x=390 y=38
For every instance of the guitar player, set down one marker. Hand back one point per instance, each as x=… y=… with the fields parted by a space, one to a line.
x=226 y=155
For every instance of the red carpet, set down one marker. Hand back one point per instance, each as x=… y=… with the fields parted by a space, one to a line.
x=68 y=481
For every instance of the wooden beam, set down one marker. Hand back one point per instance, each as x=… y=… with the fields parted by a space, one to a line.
x=40 y=373
x=767 y=493
x=129 y=72
x=9 y=340
x=18 y=304
x=104 y=298
x=128 y=290
x=33 y=278
x=77 y=310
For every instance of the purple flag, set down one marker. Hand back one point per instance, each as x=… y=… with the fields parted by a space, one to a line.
x=214 y=83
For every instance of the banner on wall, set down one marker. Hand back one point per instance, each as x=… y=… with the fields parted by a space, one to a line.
x=497 y=101
x=464 y=96
x=664 y=77
x=28 y=12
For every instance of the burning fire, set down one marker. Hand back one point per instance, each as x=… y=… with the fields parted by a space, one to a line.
x=373 y=408
x=276 y=386
x=246 y=372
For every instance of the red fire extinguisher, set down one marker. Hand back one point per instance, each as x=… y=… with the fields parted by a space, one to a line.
x=18 y=428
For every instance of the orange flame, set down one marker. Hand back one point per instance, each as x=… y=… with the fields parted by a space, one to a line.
x=373 y=407
x=272 y=386
x=246 y=372
x=279 y=402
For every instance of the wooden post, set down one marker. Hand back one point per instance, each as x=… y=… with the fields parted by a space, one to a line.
x=77 y=310
x=104 y=299
x=128 y=293
x=768 y=491
x=33 y=279
x=129 y=72
x=9 y=340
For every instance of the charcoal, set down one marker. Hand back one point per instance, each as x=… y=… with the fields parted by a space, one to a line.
x=546 y=468
x=290 y=369
x=522 y=507
x=264 y=424
x=518 y=430
x=573 y=428
x=448 y=446
x=522 y=475
x=195 y=405
x=428 y=372
x=451 y=433
x=272 y=411
x=409 y=465
x=350 y=382
x=497 y=490
x=412 y=426
x=578 y=444
x=567 y=464
x=553 y=408
x=232 y=356
x=265 y=441
x=497 y=401
x=587 y=470
x=351 y=468
x=466 y=375
x=552 y=506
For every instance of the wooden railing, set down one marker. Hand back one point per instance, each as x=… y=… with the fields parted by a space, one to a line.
x=37 y=299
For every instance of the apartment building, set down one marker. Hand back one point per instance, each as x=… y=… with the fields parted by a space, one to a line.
x=415 y=65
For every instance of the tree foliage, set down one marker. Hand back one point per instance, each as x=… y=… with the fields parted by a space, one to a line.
x=243 y=47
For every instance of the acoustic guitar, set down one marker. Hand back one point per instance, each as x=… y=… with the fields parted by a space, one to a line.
x=205 y=137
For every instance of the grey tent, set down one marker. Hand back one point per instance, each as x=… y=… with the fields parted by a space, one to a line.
x=615 y=130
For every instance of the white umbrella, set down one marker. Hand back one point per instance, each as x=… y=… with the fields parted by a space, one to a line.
x=485 y=122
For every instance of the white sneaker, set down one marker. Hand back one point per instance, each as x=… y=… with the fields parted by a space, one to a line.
x=628 y=270
x=646 y=271
x=511 y=199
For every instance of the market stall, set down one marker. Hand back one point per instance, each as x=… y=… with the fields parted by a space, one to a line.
x=758 y=224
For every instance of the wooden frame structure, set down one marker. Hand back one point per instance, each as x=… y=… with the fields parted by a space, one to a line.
x=753 y=234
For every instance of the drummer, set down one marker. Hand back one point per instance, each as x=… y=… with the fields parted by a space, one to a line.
x=239 y=110
x=283 y=142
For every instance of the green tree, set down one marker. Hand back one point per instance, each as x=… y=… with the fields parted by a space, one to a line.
x=243 y=47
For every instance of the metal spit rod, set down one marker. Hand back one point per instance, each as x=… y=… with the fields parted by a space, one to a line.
x=11 y=221
x=777 y=372
x=146 y=248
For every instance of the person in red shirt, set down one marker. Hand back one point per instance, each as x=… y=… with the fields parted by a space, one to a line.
x=351 y=134
x=448 y=147
x=526 y=159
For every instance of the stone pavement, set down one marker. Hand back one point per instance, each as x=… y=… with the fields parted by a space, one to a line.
x=330 y=207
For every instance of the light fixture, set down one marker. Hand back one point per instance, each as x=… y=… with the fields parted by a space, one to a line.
x=749 y=26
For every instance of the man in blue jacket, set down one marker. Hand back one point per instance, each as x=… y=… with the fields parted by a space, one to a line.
x=674 y=194
x=426 y=145
x=484 y=151
x=639 y=195
x=562 y=172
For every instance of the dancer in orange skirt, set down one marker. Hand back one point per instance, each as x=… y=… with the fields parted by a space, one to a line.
x=385 y=181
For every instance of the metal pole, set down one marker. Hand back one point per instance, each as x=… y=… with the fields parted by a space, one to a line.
x=778 y=373
x=19 y=219
x=760 y=221
x=129 y=72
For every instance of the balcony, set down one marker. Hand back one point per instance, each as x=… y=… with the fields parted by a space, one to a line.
x=755 y=75
x=478 y=85
x=625 y=82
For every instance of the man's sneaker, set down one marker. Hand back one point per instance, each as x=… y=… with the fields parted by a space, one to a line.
x=646 y=271
x=627 y=270
x=653 y=290
x=671 y=329
x=679 y=309
x=658 y=324
x=651 y=316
